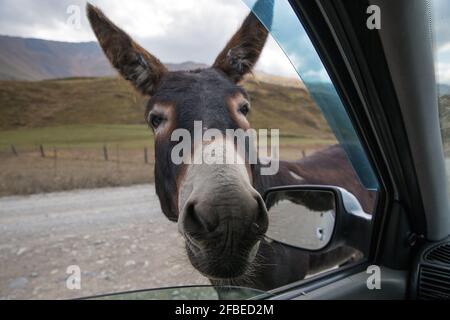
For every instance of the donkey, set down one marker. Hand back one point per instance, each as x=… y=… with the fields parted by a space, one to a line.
x=219 y=208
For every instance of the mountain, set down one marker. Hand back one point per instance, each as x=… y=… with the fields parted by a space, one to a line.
x=188 y=65
x=36 y=59
x=443 y=89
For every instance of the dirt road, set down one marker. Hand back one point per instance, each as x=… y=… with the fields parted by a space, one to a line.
x=117 y=236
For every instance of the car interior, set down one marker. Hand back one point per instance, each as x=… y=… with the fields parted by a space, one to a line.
x=387 y=80
x=374 y=70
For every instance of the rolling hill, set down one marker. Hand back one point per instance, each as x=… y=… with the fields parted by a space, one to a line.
x=34 y=104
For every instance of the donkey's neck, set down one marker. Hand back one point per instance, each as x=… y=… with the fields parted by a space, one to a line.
x=329 y=166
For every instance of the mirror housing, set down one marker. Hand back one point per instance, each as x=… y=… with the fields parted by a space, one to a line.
x=352 y=226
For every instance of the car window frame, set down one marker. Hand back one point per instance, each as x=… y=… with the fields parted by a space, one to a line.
x=347 y=60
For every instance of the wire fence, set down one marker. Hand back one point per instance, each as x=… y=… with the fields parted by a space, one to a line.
x=111 y=153
x=46 y=168
x=102 y=153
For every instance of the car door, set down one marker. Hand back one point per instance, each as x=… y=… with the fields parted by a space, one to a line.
x=394 y=142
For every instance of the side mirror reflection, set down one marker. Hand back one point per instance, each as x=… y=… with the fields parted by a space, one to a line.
x=295 y=221
x=317 y=218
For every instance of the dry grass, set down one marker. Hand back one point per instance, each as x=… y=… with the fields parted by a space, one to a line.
x=29 y=173
x=81 y=168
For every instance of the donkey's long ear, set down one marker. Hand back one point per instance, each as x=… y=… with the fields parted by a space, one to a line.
x=133 y=62
x=243 y=50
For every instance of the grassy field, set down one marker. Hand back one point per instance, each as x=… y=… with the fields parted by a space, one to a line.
x=29 y=173
x=81 y=136
x=74 y=119
x=26 y=104
x=93 y=136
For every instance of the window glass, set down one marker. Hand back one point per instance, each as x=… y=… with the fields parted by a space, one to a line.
x=441 y=27
x=289 y=33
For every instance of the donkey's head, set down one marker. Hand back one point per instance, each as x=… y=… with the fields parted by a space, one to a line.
x=219 y=213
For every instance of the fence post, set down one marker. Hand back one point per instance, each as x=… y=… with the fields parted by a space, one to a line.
x=41 y=148
x=105 y=152
x=118 y=158
x=117 y=153
x=14 y=151
x=145 y=155
x=55 y=161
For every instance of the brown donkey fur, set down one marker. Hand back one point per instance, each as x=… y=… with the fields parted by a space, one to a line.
x=214 y=96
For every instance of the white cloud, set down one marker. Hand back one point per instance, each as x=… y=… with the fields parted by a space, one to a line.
x=317 y=75
x=443 y=72
x=444 y=48
x=274 y=61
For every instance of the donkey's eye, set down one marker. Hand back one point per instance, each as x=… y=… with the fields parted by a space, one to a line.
x=244 y=109
x=156 y=120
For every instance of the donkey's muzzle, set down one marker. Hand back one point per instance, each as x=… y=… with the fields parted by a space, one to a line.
x=222 y=216
x=222 y=232
x=205 y=219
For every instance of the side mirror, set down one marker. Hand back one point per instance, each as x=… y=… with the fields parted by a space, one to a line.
x=317 y=218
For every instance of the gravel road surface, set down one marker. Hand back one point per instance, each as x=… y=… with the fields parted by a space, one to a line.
x=118 y=237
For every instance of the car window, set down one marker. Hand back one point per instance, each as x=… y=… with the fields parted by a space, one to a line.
x=93 y=200
x=440 y=26
x=290 y=35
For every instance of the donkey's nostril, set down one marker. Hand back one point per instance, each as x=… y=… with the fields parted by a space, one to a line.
x=196 y=222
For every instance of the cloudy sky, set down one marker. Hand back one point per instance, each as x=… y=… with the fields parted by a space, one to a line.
x=441 y=18
x=174 y=31
x=182 y=30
